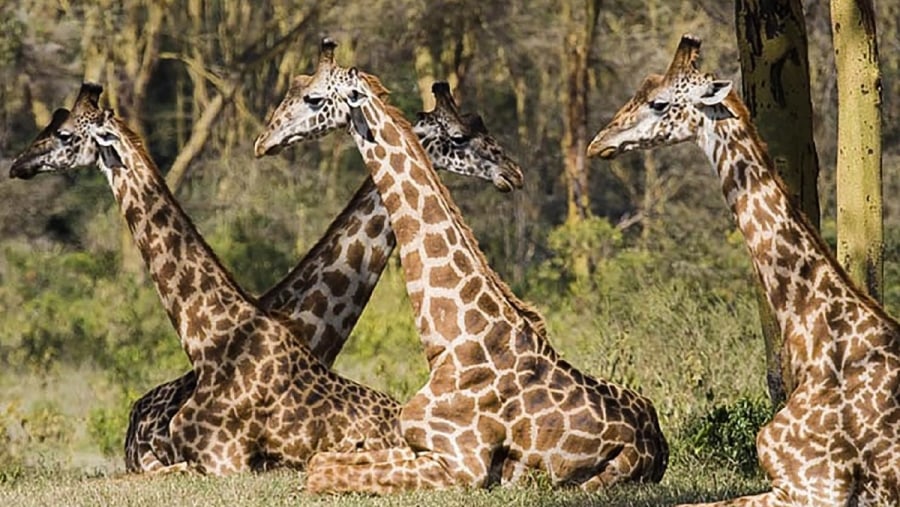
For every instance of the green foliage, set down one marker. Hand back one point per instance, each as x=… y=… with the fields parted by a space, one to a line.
x=69 y=310
x=244 y=244
x=46 y=424
x=27 y=432
x=10 y=447
x=11 y=44
x=660 y=321
x=726 y=434
x=578 y=247
x=384 y=349
x=106 y=427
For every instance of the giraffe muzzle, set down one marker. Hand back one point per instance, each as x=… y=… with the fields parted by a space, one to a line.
x=24 y=170
x=260 y=149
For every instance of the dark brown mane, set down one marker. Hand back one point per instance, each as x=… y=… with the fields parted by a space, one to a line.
x=527 y=311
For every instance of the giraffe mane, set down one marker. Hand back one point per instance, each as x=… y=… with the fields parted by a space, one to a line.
x=734 y=104
x=528 y=311
x=138 y=144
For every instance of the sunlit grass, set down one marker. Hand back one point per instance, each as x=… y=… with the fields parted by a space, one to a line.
x=48 y=487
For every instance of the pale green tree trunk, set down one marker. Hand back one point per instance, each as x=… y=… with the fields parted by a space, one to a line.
x=775 y=73
x=860 y=246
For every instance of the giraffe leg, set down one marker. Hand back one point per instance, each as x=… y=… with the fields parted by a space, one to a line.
x=175 y=468
x=148 y=462
x=621 y=468
x=361 y=458
x=424 y=471
x=210 y=450
x=150 y=454
x=768 y=499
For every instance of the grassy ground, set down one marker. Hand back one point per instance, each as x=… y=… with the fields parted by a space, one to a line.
x=283 y=488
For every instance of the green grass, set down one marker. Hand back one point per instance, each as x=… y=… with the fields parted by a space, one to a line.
x=48 y=487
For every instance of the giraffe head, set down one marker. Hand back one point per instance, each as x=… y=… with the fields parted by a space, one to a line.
x=314 y=106
x=667 y=109
x=66 y=143
x=461 y=143
x=330 y=99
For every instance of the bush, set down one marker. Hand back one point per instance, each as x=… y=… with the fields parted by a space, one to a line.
x=106 y=427
x=727 y=434
x=11 y=460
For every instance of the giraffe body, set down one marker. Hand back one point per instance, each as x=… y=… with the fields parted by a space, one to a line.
x=323 y=296
x=837 y=440
x=499 y=400
x=261 y=398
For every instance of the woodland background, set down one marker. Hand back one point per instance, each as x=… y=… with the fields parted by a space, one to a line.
x=635 y=263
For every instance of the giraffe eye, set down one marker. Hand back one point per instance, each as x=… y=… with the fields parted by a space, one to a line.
x=659 y=106
x=63 y=135
x=459 y=139
x=313 y=101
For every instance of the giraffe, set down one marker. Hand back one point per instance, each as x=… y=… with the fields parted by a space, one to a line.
x=324 y=295
x=261 y=398
x=499 y=400
x=835 y=442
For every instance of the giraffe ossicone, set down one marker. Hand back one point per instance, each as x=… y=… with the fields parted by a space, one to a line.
x=260 y=398
x=837 y=439
x=322 y=298
x=499 y=400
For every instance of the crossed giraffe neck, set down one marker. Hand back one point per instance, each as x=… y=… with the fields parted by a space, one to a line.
x=498 y=394
x=321 y=299
x=835 y=442
x=437 y=250
x=261 y=398
x=326 y=292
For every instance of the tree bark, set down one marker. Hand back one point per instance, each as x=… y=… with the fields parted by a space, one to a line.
x=577 y=44
x=860 y=247
x=775 y=78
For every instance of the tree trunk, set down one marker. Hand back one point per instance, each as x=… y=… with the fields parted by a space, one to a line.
x=775 y=74
x=577 y=44
x=860 y=246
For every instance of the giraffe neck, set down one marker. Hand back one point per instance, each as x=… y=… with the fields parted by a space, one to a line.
x=453 y=291
x=324 y=295
x=814 y=301
x=196 y=291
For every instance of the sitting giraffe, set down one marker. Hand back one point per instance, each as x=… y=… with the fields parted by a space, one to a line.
x=324 y=295
x=499 y=399
x=261 y=398
x=837 y=440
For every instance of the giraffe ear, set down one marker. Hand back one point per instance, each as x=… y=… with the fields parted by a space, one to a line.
x=359 y=123
x=356 y=99
x=110 y=157
x=475 y=123
x=105 y=139
x=716 y=93
x=714 y=100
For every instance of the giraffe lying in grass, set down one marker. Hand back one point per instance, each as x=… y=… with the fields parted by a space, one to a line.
x=499 y=400
x=323 y=296
x=837 y=440
x=261 y=398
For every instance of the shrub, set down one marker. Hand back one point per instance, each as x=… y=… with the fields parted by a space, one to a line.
x=11 y=460
x=727 y=433
x=106 y=427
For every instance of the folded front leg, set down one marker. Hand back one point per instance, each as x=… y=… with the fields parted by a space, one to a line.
x=394 y=470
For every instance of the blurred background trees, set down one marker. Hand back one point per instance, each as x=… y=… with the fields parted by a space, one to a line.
x=635 y=262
